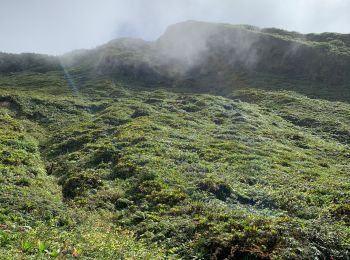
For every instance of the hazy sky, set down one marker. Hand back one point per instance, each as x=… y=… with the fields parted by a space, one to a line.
x=58 y=26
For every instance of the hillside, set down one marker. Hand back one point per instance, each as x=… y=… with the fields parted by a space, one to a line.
x=214 y=142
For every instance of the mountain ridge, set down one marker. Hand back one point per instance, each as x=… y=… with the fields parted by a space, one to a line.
x=214 y=58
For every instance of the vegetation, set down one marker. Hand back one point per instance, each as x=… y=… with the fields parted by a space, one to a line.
x=97 y=165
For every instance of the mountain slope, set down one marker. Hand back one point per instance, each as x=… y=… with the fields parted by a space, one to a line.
x=124 y=151
x=219 y=58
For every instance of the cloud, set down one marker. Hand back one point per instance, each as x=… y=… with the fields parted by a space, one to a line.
x=55 y=27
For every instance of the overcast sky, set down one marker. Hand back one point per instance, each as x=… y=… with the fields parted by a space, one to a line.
x=58 y=26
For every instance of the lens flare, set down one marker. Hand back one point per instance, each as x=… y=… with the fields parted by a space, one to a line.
x=72 y=86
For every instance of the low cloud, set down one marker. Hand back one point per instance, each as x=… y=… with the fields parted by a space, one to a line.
x=55 y=27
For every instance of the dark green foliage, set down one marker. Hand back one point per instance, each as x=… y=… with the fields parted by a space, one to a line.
x=219 y=188
x=341 y=212
x=140 y=112
x=77 y=185
x=10 y=63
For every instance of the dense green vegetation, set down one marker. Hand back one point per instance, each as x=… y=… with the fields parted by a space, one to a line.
x=95 y=164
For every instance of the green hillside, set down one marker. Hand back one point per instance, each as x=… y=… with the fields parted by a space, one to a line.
x=120 y=153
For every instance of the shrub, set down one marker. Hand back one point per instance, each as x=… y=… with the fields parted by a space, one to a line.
x=78 y=185
x=105 y=155
x=342 y=212
x=140 y=112
x=219 y=189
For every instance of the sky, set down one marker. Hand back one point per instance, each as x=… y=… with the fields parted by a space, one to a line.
x=58 y=26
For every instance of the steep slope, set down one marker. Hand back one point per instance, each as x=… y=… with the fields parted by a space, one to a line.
x=118 y=153
x=200 y=175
